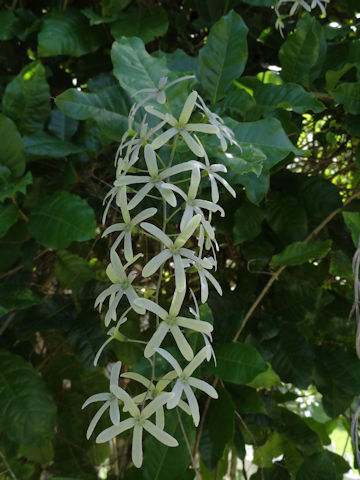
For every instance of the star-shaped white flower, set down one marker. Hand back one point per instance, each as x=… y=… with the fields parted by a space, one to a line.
x=122 y=285
x=111 y=402
x=212 y=171
x=128 y=224
x=183 y=127
x=153 y=391
x=171 y=322
x=320 y=3
x=155 y=179
x=139 y=422
x=159 y=91
x=173 y=250
x=185 y=381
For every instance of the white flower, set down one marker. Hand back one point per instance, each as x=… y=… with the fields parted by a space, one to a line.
x=156 y=179
x=212 y=171
x=111 y=401
x=121 y=286
x=153 y=391
x=185 y=382
x=204 y=276
x=128 y=224
x=224 y=134
x=182 y=127
x=171 y=322
x=159 y=91
x=174 y=250
x=319 y=3
x=195 y=205
x=139 y=422
x=207 y=337
x=295 y=5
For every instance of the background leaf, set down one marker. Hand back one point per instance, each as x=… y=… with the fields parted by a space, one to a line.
x=12 y=150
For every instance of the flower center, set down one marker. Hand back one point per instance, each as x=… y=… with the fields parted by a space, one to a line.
x=174 y=249
x=125 y=284
x=171 y=319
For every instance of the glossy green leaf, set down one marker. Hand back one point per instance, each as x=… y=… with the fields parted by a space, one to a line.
x=27 y=98
x=146 y=24
x=247 y=399
x=8 y=216
x=110 y=7
x=162 y=462
x=223 y=58
x=43 y=145
x=286 y=216
x=14 y=296
x=61 y=126
x=68 y=33
x=266 y=135
x=266 y=379
x=12 y=151
x=109 y=107
x=250 y=159
x=299 y=252
x=72 y=270
x=352 y=220
x=62 y=219
x=319 y=196
x=255 y=186
x=247 y=222
x=348 y=95
x=27 y=411
x=9 y=186
x=7 y=19
x=318 y=466
x=215 y=436
x=300 y=52
x=238 y=362
x=272 y=448
x=343 y=368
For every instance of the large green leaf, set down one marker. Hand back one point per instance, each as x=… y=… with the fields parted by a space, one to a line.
x=68 y=33
x=343 y=368
x=62 y=219
x=143 y=23
x=27 y=411
x=134 y=67
x=12 y=151
x=272 y=448
x=348 y=95
x=61 y=126
x=352 y=220
x=266 y=135
x=72 y=270
x=319 y=196
x=41 y=144
x=318 y=466
x=286 y=216
x=15 y=296
x=238 y=362
x=215 y=436
x=109 y=107
x=223 y=58
x=247 y=222
x=299 y=252
x=8 y=216
x=162 y=462
x=27 y=98
x=7 y=19
x=300 y=52
x=9 y=186
x=255 y=186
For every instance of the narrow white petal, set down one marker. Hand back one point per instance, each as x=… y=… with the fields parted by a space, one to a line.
x=197 y=325
x=182 y=343
x=136 y=449
x=117 y=266
x=160 y=435
x=117 y=227
x=140 y=195
x=99 y=352
x=113 y=303
x=212 y=207
x=156 y=340
x=193 y=404
x=95 y=420
x=165 y=380
x=156 y=232
x=204 y=287
x=226 y=184
x=188 y=107
x=176 y=302
x=140 y=217
x=170 y=359
x=213 y=281
x=188 y=231
x=114 y=411
x=150 y=160
x=194 y=183
x=177 y=392
x=126 y=399
x=98 y=397
x=187 y=216
x=155 y=263
x=214 y=188
x=156 y=113
x=196 y=361
x=106 y=293
x=167 y=194
x=180 y=277
x=128 y=250
x=205 y=387
x=194 y=146
x=160 y=418
x=131 y=180
x=132 y=296
x=176 y=169
x=115 y=372
x=184 y=406
x=137 y=377
x=158 y=402
x=164 y=138
x=152 y=307
x=121 y=200
x=201 y=127
x=111 y=432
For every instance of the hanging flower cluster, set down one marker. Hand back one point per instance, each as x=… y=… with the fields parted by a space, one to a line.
x=294 y=7
x=148 y=167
